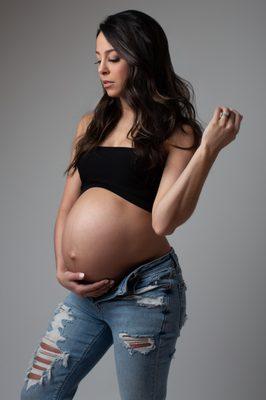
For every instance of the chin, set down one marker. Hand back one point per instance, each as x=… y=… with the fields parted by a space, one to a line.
x=112 y=93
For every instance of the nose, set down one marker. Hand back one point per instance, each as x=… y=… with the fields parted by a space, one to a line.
x=103 y=68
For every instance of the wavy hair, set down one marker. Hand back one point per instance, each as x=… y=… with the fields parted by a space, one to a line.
x=160 y=99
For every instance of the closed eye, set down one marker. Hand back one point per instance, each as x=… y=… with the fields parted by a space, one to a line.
x=114 y=60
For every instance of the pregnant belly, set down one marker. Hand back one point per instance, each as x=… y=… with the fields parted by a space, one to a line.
x=105 y=236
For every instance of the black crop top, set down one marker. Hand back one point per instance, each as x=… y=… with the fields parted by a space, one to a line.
x=112 y=168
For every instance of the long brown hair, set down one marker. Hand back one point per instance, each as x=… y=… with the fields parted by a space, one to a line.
x=161 y=99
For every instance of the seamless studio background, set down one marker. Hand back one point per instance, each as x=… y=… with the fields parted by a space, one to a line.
x=48 y=81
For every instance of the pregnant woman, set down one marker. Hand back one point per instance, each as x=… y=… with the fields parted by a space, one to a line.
x=137 y=167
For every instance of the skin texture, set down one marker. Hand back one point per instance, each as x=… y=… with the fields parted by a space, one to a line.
x=104 y=235
x=110 y=70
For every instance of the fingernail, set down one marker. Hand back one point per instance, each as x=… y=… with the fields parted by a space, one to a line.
x=112 y=282
x=106 y=281
x=81 y=275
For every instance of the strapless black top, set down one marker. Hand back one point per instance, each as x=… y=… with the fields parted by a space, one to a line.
x=113 y=168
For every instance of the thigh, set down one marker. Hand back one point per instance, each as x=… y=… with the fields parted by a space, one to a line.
x=145 y=327
x=75 y=340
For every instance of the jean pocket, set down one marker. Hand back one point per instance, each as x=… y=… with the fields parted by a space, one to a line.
x=165 y=278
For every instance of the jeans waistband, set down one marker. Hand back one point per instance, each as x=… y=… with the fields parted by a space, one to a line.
x=121 y=288
x=171 y=254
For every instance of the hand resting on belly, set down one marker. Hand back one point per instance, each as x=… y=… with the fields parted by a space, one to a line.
x=75 y=281
x=105 y=236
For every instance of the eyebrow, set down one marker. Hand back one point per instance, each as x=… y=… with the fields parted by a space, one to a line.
x=107 y=51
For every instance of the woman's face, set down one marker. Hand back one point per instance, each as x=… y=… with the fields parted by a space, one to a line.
x=111 y=67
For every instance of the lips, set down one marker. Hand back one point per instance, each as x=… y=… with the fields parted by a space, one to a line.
x=107 y=84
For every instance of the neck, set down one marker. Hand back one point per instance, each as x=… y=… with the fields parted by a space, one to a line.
x=127 y=112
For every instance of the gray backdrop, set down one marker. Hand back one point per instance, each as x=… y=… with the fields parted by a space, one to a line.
x=48 y=81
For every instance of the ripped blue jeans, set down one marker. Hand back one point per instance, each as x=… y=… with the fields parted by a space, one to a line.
x=142 y=317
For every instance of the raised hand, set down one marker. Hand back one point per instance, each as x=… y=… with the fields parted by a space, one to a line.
x=222 y=128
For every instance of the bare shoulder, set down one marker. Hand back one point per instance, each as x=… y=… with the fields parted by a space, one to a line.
x=86 y=118
x=184 y=138
x=82 y=125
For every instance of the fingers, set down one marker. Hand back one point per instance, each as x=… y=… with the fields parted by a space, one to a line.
x=98 y=292
x=75 y=276
x=84 y=292
x=233 y=120
x=223 y=119
x=218 y=116
x=93 y=289
x=230 y=123
x=76 y=282
x=217 y=113
x=237 y=121
x=80 y=276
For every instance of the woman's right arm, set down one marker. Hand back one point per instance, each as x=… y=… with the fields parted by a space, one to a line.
x=71 y=192
x=58 y=231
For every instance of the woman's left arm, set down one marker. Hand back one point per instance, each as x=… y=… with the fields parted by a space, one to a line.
x=172 y=207
x=180 y=201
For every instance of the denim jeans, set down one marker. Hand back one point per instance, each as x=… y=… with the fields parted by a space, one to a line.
x=142 y=317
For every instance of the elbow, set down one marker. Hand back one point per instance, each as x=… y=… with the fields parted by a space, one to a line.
x=162 y=230
x=159 y=232
x=157 y=228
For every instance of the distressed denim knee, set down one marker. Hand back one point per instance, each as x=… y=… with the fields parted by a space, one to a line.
x=47 y=354
x=74 y=342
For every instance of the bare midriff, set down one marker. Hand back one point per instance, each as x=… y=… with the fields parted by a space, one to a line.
x=106 y=236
